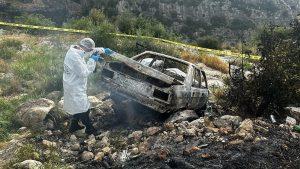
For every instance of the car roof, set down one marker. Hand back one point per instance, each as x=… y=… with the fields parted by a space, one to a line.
x=167 y=56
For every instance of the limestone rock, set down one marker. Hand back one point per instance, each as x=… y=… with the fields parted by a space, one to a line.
x=187 y=115
x=228 y=121
x=75 y=147
x=49 y=144
x=99 y=156
x=136 y=135
x=86 y=155
x=95 y=102
x=73 y=138
x=135 y=151
x=106 y=150
x=245 y=130
x=169 y=126
x=199 y=123
x=32 y=113
x=294 y=112
x=290 y=121
x=153 y=130
x=179 y=138
x=55 y=96
x=29 y=164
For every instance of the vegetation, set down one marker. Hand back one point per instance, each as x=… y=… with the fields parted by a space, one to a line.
x=32 y=74
x=9 y=48
x=7 y=115
x=209 y=42
x=274 y=82
x=51 y=159
x=34 y=19
x=210 y=61
x=132 y=25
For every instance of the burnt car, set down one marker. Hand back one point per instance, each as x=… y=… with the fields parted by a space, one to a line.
x=160 y=82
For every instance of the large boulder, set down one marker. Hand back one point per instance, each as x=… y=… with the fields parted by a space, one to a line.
x=32 y=113
x=228 y=121
x=186 y=115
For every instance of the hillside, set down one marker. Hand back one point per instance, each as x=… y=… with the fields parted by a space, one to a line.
x=228 y=109
x=225 y=19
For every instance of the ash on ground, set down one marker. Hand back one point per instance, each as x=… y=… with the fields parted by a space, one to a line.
x=147 y=140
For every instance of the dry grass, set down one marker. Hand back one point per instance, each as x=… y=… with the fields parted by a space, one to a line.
x=210 y=61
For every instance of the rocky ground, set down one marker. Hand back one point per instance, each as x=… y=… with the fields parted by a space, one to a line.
x=182 y=140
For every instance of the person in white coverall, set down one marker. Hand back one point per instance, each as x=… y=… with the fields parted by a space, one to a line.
x=76 y=72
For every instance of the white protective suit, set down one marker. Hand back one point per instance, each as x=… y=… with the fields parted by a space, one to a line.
x=76 y=72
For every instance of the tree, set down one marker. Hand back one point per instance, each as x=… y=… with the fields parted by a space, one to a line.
x=275 y=80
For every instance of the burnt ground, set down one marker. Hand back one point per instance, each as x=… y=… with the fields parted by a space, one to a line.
x=276 y=148
x=280 y=150
x=269 y=146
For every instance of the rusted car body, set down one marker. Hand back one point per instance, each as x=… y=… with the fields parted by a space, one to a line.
x=160 y=82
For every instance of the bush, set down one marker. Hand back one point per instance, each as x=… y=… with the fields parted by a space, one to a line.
x=126 y=23
x=95 y=18
x=102 y=35
x=7 y=116
x=9 y=48
x=274 y=83
x=51 y=160
x=130 y=24
x=209 y=42
x=35 y=19
x=83 y=23
x=11 y=43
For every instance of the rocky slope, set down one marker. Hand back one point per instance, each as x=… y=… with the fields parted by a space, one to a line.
x=179 y=142
x=196 y=18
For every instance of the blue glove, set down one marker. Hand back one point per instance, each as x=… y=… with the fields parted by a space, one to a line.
x=108 y=51
x=96 y=57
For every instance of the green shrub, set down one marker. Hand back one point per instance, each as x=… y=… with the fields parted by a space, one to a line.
x=209 y=42
x=126 y=23
x=35 y=19
x=130 y=24
x=7 y=116
x=240 y=24
x=103 y=37
x=7 y=53
x=275 y=85
x=11 y=43
x=97 y=17
x=9 y=48
x=83 y=23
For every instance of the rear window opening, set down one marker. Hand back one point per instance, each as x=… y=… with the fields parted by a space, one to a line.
x=170 y=67
x=160 y=95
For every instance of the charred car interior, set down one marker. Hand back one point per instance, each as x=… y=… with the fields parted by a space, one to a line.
x=160 y=82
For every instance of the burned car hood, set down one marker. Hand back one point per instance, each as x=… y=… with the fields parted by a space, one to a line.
x=145 y=69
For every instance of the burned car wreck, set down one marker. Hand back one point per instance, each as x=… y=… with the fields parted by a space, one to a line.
x=160 y=82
